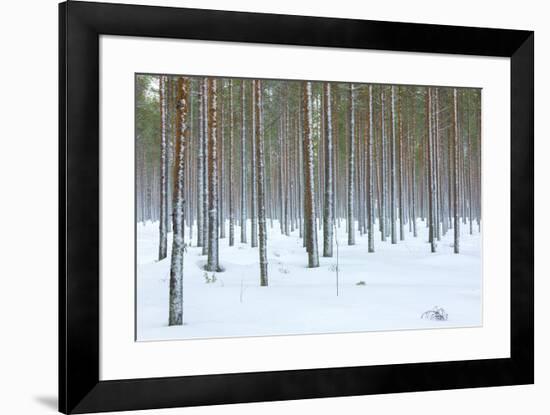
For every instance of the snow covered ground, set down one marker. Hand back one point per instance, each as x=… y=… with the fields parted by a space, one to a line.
x=397 y=284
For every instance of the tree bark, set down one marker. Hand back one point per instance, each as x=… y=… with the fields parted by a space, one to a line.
x=243 y=163
x=328 y=203
x=175 y=317
x=163 y=231
x=429 y=134
x=309 y=190
x=258 y=133
x=213 y=257
x=392 y=167
x=370 y=201
x=351 y=167
x=456 y=221
x=253 y=188
x=231 y=174
x=200 y=169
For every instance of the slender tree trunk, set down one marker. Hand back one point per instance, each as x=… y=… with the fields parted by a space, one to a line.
x=206 y=123
x=175 y=317
x=392 y=167
x=437 y=167
x=231 y=175
x=456 y=221
x=382 y=215
x=351 y=167
x=470 y=193
x=413 y=169
x=370 y=201
x=243 y=163
x=200 y=169
x=258 y=133
x=309 y=194
x=429 y=133
x=253 y=184
x=213 y=259
x=163 y=231
x=400 y=166
x=221 y=161
x=282 y=159
x=328 y=205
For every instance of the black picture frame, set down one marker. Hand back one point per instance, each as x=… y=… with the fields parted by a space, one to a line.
x=80 y=26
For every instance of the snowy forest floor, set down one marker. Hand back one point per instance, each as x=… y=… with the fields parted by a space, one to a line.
x=397 y=283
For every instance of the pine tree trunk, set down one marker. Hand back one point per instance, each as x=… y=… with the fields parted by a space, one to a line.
x=370 y=201
x=175 y=317
x=221 y=162
x=205 y=184
x=351 y=167
x=328 y=204
x=243 y=163
x=470 y=193
x=163 y=231
x=413 y=169
x=309 y=190
x=382 y=215
x=253 y=184
x=200 y=172
x=456 y=221
x=400 y=166
x=213 y=259
x=258 y=133
x=231 y=177
x=429 y=132
x=392 y=167
x=282 y=160
x=437 y=167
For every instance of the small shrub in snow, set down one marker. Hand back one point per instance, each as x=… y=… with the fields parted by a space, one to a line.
x=437 y=313
x=284 y=270
x=210 y=279
x=361 y=283
x=276 y=254
x=333 y=267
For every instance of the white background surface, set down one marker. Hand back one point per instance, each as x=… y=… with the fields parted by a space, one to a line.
x=28 y=177
x=121 y=57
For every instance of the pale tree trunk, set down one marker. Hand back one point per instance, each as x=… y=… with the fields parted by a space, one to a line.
x=392 y=167
x=243 y=163
x=328 y=204
x=370 y=202
x=351 y=167
x=213 y=259
x=221 y=162
x=413 y=168
x=205 y=184
x=309 y=195
x=382 y=192
x=260 y=181
x=429 y=130
x=456 y=221
x=231 y=176
x=200 y=169
x=437 y=167
x=281 y=158
x=400 y=165
x=175 y=317
x=253 y=188
x=470 y=193
x=163 y=231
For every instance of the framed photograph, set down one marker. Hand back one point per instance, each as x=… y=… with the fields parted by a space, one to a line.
x=260 y=207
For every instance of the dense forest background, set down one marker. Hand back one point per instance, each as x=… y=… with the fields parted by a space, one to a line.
x=226 y=161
